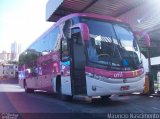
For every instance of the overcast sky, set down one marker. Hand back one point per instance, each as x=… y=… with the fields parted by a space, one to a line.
x=21 y=21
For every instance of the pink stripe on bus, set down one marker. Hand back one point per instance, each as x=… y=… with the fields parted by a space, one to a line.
x=115 y=74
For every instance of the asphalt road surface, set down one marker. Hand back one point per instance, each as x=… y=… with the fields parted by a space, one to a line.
x=16 y=104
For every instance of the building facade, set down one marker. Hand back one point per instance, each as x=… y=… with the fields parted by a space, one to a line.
x=5 y=56
x=15 y=51
x=8 y=71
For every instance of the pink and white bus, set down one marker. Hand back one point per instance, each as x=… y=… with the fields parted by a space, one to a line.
x=84 y=54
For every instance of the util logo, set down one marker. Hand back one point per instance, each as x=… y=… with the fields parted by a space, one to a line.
x=118 y=75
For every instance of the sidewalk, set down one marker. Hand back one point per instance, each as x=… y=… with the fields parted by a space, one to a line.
x=8 y=81
x=156 y=94
x=10 y=86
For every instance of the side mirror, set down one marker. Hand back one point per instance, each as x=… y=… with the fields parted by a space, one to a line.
x=83 y=29
x=143 y=38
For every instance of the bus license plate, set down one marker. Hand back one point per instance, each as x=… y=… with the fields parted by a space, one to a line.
x=124 y=88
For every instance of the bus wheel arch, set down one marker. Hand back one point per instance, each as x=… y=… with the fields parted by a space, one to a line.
x=58 y=84
x=23 y=83
x=27 y=90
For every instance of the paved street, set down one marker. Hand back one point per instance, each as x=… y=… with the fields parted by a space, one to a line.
x=13 y=99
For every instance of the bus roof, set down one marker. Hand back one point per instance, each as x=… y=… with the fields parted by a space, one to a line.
x=65 y=18
x=91 y=15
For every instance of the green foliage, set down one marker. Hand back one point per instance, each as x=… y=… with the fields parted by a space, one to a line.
x=28 y=57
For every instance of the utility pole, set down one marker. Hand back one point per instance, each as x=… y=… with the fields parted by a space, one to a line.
x=151 y=80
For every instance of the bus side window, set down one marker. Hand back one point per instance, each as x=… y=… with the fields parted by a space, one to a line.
x=64 y=42
x=66 y=28
x=65 y=51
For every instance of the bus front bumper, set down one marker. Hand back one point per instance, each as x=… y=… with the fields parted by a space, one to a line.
x=100 y=88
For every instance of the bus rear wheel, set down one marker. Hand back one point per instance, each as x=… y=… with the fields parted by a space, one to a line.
x=27 y=90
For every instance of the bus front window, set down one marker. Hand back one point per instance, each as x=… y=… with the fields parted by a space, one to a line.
x=129 y=50
x=111 y=45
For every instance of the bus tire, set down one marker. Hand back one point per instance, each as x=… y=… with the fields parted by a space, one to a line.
x=59 y=91
x=27 y=90
x=105 y=98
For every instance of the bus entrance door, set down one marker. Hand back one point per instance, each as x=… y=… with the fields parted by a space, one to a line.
x=78 y=79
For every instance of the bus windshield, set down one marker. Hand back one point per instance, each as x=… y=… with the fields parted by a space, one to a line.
x=112 y=44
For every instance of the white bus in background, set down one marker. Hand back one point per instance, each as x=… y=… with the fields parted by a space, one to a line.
x=145 y=63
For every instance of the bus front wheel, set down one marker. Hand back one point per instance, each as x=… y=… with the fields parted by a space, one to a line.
x=106 y=97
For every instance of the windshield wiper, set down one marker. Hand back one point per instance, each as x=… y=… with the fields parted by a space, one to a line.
x=123 y=60
x=114 y=50
x=98 y=63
